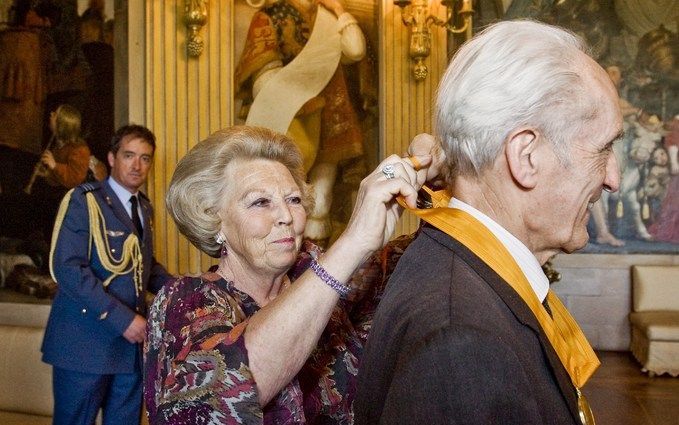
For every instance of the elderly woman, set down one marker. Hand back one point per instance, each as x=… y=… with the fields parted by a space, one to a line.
x=262 y=337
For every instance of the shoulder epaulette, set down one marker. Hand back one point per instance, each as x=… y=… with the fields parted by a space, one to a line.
x=90 y=186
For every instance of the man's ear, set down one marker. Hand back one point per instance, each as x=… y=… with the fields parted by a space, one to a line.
x=111 y=159
x=520 y=153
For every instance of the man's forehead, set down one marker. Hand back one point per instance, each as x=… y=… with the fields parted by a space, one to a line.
x=132 y=141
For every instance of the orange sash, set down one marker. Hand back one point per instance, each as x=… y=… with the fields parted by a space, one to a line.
x=563 y=333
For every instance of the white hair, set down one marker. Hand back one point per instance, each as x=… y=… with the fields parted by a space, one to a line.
x=512 y=74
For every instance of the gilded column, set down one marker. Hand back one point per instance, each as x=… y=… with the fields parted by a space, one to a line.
x=187 y=98
x=406 y=105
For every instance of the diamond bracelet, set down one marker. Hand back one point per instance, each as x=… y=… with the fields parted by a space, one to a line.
x=342 y=289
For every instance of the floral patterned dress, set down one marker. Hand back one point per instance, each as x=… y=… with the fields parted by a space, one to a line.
x=196 y=363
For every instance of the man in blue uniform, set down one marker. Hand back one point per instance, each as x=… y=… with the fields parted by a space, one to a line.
x=102 y=259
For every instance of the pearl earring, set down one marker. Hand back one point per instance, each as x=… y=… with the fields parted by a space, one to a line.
x=220 y=239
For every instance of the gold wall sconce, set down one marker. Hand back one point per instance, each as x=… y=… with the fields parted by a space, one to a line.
x=415 y=15
x=195 y=16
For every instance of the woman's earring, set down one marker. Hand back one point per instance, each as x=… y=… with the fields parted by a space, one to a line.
x=220 y=239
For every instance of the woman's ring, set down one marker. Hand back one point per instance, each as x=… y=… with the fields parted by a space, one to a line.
x=388 y=171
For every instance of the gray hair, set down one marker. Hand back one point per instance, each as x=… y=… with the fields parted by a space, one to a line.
x=199 y=182
x=512 y=74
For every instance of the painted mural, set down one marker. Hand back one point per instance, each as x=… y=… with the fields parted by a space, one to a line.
x=636 y=41
x=334 y=123
x=56 y=122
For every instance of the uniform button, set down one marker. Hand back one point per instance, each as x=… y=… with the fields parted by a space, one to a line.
x=84 y=311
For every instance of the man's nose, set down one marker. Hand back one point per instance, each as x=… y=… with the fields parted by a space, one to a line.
x=612 y=178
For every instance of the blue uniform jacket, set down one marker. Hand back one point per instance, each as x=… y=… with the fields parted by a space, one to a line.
x=86 y=323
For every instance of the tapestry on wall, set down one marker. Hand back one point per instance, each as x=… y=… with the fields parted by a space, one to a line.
x=311 y=72
x=636 y=41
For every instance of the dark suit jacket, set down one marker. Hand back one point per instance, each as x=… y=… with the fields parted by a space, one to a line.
x=86 y=323
x=452 y=343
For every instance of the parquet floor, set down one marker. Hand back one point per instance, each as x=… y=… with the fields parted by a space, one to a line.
x=620 y=394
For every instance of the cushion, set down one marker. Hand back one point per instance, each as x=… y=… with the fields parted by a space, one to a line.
x=13 y=418
x=26 y=381
x=657 y=325
x=655 y=288
x=22 y=314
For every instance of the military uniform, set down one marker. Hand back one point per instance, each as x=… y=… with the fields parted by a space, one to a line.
x=84 y=335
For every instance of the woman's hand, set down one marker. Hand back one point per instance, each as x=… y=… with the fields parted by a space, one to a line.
x=377 y=211
x=48 y=159
x=425 y=144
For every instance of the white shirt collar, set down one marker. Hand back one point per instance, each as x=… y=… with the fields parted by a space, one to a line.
x=527 y=262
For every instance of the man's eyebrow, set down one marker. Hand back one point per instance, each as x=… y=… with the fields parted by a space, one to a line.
x=618 y=136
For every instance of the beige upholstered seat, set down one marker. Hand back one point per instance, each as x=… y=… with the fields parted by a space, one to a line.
x=655 y=318
x=26 y=382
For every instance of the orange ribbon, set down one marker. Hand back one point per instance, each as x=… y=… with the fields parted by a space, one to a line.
x=563 y=333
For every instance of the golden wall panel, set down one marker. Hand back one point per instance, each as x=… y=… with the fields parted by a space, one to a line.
x=186 y=100
x=406 y=105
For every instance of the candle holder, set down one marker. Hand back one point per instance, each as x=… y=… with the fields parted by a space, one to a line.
x=415 y=15
x=195 y=16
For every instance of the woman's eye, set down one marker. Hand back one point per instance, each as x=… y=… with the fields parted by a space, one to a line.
x=261 y=202
x=295 y=200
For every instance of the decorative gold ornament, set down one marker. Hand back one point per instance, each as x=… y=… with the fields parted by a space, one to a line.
x=586 y=415
x=415 y=15
x=552 y=274
x=195 y=16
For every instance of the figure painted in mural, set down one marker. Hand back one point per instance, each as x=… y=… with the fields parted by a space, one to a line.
x=67 y=159
x=266 y=336
x=102 y=260
x=326 y=129
x=65 y=163
x=654 y=187
x=666 y=227
x=629 y=208
x=468 y=330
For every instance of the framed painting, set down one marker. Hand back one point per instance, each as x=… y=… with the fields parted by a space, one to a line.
x=636 y=41
x=294 y=76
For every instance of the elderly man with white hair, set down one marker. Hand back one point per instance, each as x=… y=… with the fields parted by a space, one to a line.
x=468 y=331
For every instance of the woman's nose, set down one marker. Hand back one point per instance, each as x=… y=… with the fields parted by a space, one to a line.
x=284 y=214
